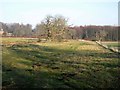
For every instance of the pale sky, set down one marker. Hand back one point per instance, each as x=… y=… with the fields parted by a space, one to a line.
x=79 y=12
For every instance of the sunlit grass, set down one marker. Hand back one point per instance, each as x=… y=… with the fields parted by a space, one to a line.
x=17 y=40
x=112 y=44
x=71 y=64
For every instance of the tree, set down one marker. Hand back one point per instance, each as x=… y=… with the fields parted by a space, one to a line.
x=47 y=25
x=71 y=34
x=40 y=31
x=59 y=27
x=53 y=27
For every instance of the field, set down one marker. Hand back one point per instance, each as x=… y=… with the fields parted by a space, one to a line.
x=72 y=64
x=112 y=44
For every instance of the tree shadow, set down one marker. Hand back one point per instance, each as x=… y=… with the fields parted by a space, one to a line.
x=58 y=68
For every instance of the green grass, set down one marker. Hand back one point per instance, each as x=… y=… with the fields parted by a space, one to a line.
x=72 y=64
x=112 y=44
x=17 y=40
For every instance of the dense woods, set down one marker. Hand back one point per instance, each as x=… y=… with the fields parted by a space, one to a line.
x=57 y=28
x=92 y=32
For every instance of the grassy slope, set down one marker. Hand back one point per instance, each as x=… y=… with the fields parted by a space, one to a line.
x=70 y=64
x=112 y=44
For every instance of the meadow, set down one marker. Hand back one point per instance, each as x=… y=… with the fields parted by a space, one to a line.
x=112 y=44
x=71 y=64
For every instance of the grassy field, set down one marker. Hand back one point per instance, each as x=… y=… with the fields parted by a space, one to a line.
x=112 y=44
x=8 y=41
x=72 y=64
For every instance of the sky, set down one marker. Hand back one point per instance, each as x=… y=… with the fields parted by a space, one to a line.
x=78 y=12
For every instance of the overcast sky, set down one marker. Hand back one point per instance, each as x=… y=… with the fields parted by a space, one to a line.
x=79 y=12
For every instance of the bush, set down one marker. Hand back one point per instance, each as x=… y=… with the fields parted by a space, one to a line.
x=58 y=38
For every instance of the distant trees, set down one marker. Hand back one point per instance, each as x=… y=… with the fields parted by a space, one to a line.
x=22 y=30
x=56 y=28
x=109 y=33
x=17 y=29
x=71 y=33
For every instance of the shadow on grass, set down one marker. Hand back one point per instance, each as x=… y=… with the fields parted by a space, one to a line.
x=59 y=68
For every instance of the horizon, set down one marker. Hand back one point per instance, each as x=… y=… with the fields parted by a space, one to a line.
x=33 y=27
x=80 y=13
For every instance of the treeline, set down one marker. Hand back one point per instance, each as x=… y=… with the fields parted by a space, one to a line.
x=57 y=28
x=92 y=32
x=16 y=29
